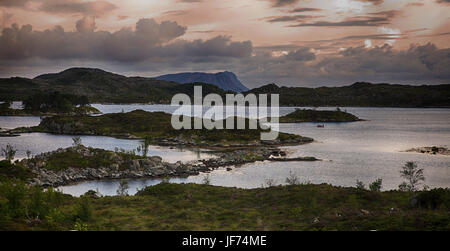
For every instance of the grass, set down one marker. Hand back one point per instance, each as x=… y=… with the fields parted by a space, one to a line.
x=299 y=207
x=203 y=207
x=61 y=161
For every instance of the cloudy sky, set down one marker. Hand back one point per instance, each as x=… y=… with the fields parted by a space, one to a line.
x=289 y=42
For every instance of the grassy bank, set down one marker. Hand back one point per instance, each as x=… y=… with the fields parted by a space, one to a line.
x=203 y=207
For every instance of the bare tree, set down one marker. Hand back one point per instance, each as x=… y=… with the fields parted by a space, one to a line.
x=292 y=179
x=76 y=141
x=206 y=180
x=414 y=176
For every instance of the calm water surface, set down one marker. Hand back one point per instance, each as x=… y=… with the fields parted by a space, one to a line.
x=363 y=150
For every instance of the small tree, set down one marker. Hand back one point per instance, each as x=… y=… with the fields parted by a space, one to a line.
x=29 y=154
x=9 y=152
x=76 y=141
x=292 y=179
x=84 y=209
x=414 y=176
x=360 y=185
x=206 y=180
x=138 y=149
x=144 y=147
x=376 y=185
x=123 y=188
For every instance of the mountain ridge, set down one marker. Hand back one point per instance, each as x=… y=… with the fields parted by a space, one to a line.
x=105 y=87
x=226 y=80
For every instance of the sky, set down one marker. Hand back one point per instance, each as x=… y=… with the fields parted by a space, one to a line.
x=288 y=42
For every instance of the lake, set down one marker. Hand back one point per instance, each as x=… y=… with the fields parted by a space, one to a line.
x=362 y=151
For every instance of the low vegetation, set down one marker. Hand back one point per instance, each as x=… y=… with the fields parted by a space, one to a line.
x=168 y=206
x=305 y=115
x=203 y=207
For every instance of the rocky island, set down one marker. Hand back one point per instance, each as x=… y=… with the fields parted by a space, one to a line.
x=306 y=115
x=435 y=150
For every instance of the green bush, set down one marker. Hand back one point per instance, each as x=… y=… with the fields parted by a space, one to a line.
x=434 y=199
x=14 y=206
x=376 y=185
x=84 y=209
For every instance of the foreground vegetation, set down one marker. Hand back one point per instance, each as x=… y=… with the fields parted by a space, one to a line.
x=305 y=115
x=203 y=207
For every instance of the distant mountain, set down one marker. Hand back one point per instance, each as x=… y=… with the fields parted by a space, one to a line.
x=227 y=81
x=99 y=86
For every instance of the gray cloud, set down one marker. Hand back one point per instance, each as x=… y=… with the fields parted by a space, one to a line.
x=13 y=3
x=295 y=18
x=64 y=6
x=425 y=64
x=148 y=41
x=355 y=21
x=281 y=3
x=304 y=10
x=86 y=24
x=5 y=18
x=371 y=19
x=375 y=2
x=302 y=54
x=77 y=6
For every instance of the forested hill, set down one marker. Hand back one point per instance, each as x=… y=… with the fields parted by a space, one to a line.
x=105 y=87
x=362 y=94
x=99 y=86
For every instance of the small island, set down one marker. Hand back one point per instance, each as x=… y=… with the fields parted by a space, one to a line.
x=434 y=150
x=308 y=115
x=50 y=104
